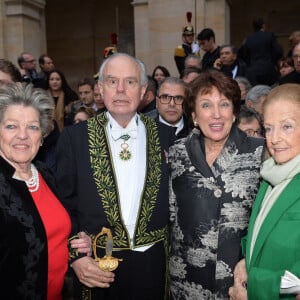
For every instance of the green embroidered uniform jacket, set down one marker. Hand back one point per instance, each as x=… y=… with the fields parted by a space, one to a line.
x=87 y=183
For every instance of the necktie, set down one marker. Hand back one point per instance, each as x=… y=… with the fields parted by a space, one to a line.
x=174 y=128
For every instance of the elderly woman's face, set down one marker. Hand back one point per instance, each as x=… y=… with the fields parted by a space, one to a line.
x=20 y=135
x=282 y=129
x=214 y=115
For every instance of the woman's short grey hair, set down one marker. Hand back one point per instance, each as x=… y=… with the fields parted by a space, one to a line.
x=28 y=96
x=140 y=64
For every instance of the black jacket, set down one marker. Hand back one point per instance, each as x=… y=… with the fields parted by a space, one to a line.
x=23 y=246
x=261 y=52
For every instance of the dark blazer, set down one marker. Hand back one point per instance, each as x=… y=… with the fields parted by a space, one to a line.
x=182 y=133
x=261 y=52
x=23 y=246
x=241 y=68
x=293 y=77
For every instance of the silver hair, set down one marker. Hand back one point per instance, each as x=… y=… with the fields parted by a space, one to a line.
x=140 y=64
x=28 y=96
x=192 y=57
x=256 y=92
x=244 y=81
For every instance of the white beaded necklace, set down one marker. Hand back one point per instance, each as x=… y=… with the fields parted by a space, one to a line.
x=32 y=183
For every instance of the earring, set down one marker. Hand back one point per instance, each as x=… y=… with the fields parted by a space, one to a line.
x=42 y=141
x=233 y=119
x=195 y=124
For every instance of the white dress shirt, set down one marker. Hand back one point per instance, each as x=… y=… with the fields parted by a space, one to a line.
x=179 y=125
x=130 y=174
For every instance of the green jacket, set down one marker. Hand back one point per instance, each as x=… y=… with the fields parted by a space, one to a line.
x=277 y=247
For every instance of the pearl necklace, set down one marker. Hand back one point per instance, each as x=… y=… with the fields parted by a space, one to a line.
x=32 y=183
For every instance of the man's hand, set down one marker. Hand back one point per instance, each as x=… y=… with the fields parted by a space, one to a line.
x=89 y=273
x=83 y=244
x=218 y=64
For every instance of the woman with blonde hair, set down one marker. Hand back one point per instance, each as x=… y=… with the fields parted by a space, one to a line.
x=272 y=244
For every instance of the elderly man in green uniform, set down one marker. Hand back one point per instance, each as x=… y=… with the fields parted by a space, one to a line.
x=112 y=172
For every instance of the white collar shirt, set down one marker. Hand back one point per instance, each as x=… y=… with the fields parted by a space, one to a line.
x=130 y=174
x=179 y=125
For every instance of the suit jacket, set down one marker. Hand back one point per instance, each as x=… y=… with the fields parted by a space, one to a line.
x=182 y=133
x=23 y=246
x=241 y=68
x=277 y=247
x=87 y=183
x=293 y=77
x=261 y=52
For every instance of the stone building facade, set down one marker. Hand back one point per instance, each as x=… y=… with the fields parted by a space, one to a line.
x=75 y=32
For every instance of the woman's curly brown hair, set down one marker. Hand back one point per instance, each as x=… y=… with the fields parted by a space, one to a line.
x=204 y=84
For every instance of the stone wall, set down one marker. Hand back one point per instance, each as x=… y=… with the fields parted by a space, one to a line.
x=76 y=31
x=158 y=27
x=22 y=28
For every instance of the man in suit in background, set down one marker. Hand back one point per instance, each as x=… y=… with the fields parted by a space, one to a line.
x=261 y=53
x=112 y=172
x=27 y=64
x=229 y=63
x=171 y=95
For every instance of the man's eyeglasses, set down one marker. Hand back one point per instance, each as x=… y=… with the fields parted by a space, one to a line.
x=30 y=61
x=166 y=99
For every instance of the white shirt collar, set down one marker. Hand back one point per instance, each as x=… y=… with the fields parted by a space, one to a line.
x=117 y=130
x=179 y=124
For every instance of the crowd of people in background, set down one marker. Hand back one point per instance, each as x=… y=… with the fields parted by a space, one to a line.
x=125 y=141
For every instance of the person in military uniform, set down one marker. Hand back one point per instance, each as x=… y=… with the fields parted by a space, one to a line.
x=110 y=50
x=186 y=48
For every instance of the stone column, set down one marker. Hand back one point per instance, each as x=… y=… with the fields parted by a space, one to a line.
x=23 y=28
x=158 y=27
